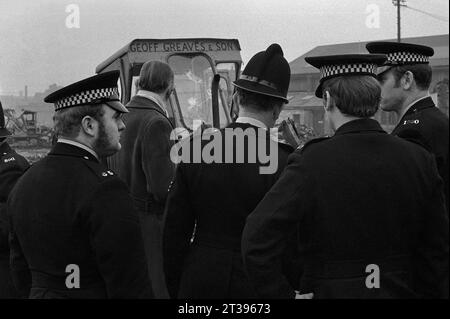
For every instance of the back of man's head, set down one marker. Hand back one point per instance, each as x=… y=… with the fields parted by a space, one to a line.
x=357 y=96
x=263 y=85
x=257 y=102
x=155 y=76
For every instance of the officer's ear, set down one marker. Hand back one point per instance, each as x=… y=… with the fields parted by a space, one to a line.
x=169 y=90
x=90 y=126
x=407 y=80
x=327 y=101
x=276 y=110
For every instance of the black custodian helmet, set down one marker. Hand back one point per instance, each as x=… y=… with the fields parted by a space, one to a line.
x=267 y=73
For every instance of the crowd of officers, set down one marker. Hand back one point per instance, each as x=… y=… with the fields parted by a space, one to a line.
x=334 y=208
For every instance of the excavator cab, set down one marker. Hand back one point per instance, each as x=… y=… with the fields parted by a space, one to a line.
x=29 y=121
x=204 y=70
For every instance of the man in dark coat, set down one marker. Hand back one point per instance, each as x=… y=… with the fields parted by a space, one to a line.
x=12 y=166
x=368 y=206
x=74 y=231
x=405 y=80
x=144 y=161
x=219 y=183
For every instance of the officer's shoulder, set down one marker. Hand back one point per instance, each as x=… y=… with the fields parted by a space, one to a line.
x=13 y=159
x=438 y=119
x=99 y=172
x=410 y=142
x=309 y=145
x=423 y=126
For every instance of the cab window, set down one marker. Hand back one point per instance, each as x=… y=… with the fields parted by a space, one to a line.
x=193 y=77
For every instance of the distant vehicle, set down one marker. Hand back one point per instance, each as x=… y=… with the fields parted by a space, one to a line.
x=25 y=129
x=204 y=69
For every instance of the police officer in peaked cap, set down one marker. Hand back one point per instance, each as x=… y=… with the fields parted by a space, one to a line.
x=215 y=197
x=405 y=81
x=74 y=231
x=363 y=202
x=12 y=166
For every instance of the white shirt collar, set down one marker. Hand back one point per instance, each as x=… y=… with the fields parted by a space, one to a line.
x=153 y=97
x=77 y=144
x=252 y=121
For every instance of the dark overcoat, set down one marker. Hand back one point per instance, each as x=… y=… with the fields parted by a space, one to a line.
x=12 y=166
x=369 y=210
x=215 y=199
x=69 y=211
x=425 y=123
x=145 y=165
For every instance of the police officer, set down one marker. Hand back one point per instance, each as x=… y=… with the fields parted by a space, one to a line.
x=362 y=200
x=74 y=231
x=12 y=166
x=215 y=195
x=405 y=80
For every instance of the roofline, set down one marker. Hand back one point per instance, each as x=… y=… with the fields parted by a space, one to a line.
x=124 y=50
x=390 y=39
x=366 y=41
x=439 y=63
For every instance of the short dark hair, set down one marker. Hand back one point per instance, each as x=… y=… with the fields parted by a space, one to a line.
x=155 y=76
x=422 y=74
x=261 y=101
x=68 y=121
x=357 y=95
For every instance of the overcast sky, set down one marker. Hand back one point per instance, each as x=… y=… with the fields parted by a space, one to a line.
x=37 y=49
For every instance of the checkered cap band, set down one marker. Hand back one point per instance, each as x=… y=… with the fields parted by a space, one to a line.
x=355 y=68
x=85 y=97
x=407 y=57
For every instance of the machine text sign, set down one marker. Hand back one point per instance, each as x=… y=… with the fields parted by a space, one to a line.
x=146 y=46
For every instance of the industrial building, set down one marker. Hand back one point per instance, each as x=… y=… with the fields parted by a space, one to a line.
x=307 y=110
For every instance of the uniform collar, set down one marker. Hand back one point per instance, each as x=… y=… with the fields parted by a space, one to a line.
x=419 y=104
x=155 y=98
x=72 y=148
x=360 y=125
x=416 y=106
x=251 y=121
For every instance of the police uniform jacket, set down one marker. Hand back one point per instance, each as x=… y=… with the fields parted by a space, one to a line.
x=144 y=160
x=12 y=166
x=215 y=199
x=69 y=210
x=425 y=123
x=360 y=198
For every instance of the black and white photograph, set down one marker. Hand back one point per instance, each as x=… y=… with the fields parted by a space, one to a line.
x=220 y=157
